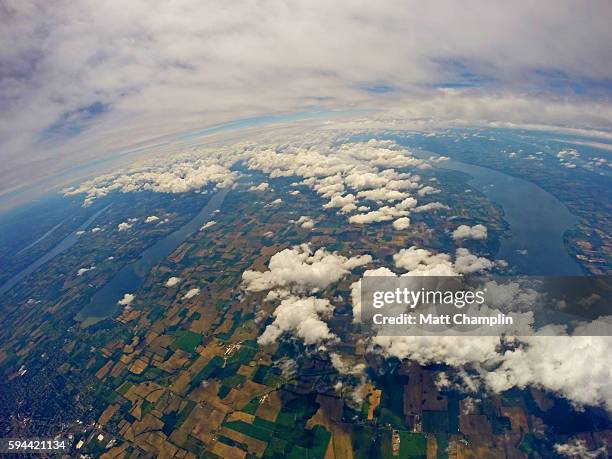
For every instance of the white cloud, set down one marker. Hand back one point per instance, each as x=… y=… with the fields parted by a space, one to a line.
x=579 y=449
x=537 y=361
x=470 y=232
x=430 y=206
x=416 y=260
x=466 y=262
x=276 y=202
x=171 y=282
x=124 y=226
x=303 y=317
x=151 y=219
x=383 y=194
x=345 y=203
x=188 y=68
x=401 y=223
x=191 y=293
x=301 y=269
x=263 y=186
x=356 y=290
x=82 y=271
x=428 y=189
x=96 y=229
x=180 y=173
x=208 y=224
x=422 y=262
x=381 y=214
x=345 y=368
x=127 y=299
x=305 y=222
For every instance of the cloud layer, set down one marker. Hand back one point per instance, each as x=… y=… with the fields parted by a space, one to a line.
x=89 y=78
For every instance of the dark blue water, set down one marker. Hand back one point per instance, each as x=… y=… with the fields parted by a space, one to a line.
x=65 y=244
x=104 y=302
x=536 y=218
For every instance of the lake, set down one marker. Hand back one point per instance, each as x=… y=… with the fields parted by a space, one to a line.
x=65 y=244
x=537 y=221
x=104 y=302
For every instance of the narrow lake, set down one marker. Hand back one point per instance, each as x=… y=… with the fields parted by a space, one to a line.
x=65 y=244
x=537 y=221
x=104 y=302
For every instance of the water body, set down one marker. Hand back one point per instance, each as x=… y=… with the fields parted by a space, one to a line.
x=537 y=221
x=65 y=244
x=43 y=237
x=104 y=302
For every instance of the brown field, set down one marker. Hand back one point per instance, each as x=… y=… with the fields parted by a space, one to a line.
x=175 y=362
x=227 y=452
x=102 y=372
x=116 y=452
x=340 y=446
x=246 y=370
x=181 y=384
x=474 y=424
x=139 y=365
x=254 y=446
x=241 y=416
x=270 y=408
x=374 y=399
x=432 y=447
x=237 y=398
x=517 y=417
x=107 y=414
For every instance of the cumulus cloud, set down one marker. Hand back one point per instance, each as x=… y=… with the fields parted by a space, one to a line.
x=345 y=203
x=291 y=273
x=303 y=317
x=381 y=214
x=531 y=361
x=466 y=262
x=179 y=174
x=579 y=449
x=356 y=290
x=383 y=194
x=345 y=368
x=127 y=299
x=171 y=282
x=263 y=186
x=299 y=268
x=191 y=293
x=430 y=206
x=208 y=224
x=124 y=226
x=276 y=202
x=428 y=189
x=151 y=219
x=82 y=271
x=470 y=232
x=401 y=223
x=422 y=262
x=305 y=222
